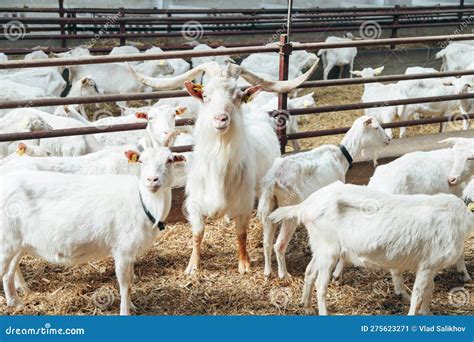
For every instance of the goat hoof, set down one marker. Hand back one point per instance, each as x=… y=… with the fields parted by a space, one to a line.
x=464 y=277
x=15 y=303
x=284 y=276
x=244 y=266
x=404 y=297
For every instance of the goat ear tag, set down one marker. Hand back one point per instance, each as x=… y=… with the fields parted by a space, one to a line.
x=247 y=98
x=306 y=103
x=132 y=157
x=470 y=206
x=198 y=88
x=21 y=149
x=180 y=110
x=162 y=62
x=141 y=115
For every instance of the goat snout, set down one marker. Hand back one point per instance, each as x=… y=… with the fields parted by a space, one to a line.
x=153 y=179
x=221 y=121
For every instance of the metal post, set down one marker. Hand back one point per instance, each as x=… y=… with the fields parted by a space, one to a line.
x=61 y=25
x=395 y=23
x=461 y=8
x=122 y=27
x=168 y=26
x=285 y=52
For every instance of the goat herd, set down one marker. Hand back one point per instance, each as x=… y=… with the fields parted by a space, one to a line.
x=70 y=200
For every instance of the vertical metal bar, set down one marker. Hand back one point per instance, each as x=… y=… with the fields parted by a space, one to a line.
x=285 y=51
x=61 y=25
x=461 y=7
x=289 y=19
x=395 y=22
x=122 y=27
x=168 y=26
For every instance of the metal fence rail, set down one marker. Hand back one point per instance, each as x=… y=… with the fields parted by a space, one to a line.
x=284 y=49
x=218 y=22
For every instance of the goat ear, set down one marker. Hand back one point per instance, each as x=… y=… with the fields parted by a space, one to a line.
x=195 y=90
x=249 y=93
x=368 y=122
x=180 y=110
x=149 y=141
x=356 y=73
x=132 y=156
x=178 y=158
x=379 y=70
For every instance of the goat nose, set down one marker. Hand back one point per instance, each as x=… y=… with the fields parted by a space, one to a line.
x=221 y=117
x=452 y=180
x=152 y=179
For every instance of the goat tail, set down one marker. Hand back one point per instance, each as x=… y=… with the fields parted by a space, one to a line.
x=267 y=201
x=321 y=52
x=286 y=213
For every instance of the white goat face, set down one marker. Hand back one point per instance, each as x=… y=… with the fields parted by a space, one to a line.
x=89 y=86
x=463 y=165
x=162 y=120
x=155 y=166
x=368 y=72
x=374 y=135
x=222 y=100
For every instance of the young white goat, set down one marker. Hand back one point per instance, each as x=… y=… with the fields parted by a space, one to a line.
x=420 y=233
x=338 y=57
x=428 y=88
x=233 y=150
x=21 y=150
x=422 y=173
x=381 y=92
x=292 y=179
x=62 y=146
x=119 y=216
x=13 y=124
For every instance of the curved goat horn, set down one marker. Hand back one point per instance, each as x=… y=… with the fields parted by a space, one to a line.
x=267 y=85
x=176 y=81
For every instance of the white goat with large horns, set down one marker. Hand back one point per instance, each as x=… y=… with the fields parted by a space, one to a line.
x=233 y=150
